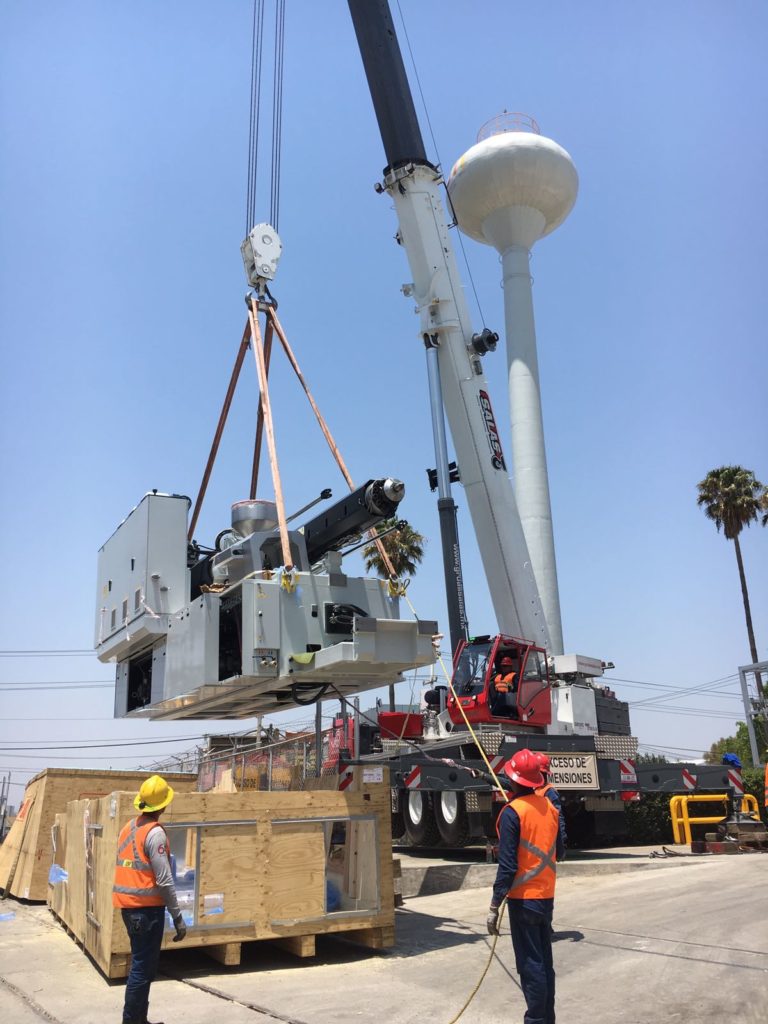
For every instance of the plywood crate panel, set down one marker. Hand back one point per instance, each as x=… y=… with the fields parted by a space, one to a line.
x=252 y=865
x=26 y=854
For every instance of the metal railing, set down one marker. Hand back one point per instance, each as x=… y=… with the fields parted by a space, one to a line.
x=682 y=821
x=509 y=121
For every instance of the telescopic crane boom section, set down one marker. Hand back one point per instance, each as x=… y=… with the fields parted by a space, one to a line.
x=413 y=184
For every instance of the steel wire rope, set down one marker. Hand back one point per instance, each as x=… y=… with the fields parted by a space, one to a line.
x=257 y=42
x=277 y=113
x=440 y=163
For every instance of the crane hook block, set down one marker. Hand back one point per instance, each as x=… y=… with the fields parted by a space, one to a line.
x=261 y=252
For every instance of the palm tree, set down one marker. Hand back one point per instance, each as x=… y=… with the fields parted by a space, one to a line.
x=733 y=498
x=405 y=548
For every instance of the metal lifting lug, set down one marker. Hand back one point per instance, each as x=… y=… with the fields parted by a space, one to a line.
x=484 y=342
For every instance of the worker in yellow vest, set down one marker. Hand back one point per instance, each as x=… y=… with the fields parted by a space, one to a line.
x=143 y=889
x=529 y=847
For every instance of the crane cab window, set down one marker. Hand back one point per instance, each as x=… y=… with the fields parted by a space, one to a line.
x=471 y=670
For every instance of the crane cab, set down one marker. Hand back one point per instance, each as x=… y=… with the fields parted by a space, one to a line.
x=500 y=679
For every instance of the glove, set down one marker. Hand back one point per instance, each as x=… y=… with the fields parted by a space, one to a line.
x=492 y=921
x=181 y=928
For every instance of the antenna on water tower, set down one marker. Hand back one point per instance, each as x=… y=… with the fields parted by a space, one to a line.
x=510 y=189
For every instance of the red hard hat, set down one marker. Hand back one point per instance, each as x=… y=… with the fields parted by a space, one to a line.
x=543 y=761
x=524 y=769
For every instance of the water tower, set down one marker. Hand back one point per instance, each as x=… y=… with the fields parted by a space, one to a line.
x=510 y=189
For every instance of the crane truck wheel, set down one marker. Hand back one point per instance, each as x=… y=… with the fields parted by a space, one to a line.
x=420 y=825
x=451 y=817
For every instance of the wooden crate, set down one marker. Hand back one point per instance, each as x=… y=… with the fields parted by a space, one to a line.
x=25 y=856
x=263 y=866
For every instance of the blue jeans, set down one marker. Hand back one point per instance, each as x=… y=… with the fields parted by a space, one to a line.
x=532 y=943
x=145 y=930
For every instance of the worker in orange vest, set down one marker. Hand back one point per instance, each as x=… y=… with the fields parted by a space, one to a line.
x=504 y=680
x=143 y=889
x=529 y=847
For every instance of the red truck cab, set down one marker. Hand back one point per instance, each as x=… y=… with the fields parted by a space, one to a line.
x=524 y=699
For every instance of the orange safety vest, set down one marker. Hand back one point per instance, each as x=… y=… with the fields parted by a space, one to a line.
x=502 y=683
x=543 y=790
x=537 y=853
x=135 y=884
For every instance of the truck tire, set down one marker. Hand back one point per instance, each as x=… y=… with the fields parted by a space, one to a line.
x=451 y=818
x=420 y=824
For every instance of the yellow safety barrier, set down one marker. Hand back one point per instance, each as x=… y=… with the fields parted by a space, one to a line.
x=682 y=821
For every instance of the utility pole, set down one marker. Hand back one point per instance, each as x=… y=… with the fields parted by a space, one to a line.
x=754 y=707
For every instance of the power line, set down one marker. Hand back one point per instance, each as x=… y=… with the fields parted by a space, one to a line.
x=693 y=691
x=26 y=688
x=73 y=652
x=61 y=757
x=59 y=719
x=49 y=745
x=53 y=682
x=685 y=750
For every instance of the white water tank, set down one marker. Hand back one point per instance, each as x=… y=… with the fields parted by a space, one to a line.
x=511 y=188
x=514 y=185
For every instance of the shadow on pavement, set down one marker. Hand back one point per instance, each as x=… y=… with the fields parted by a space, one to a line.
x=415 y=933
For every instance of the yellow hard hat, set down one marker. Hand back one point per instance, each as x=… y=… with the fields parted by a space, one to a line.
x=154 y=795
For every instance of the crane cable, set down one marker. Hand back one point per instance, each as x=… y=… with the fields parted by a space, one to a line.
x=254 y=122
x=257 y=45
x=277 y=113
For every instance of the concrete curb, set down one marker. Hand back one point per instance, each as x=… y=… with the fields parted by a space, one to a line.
x=429 y=879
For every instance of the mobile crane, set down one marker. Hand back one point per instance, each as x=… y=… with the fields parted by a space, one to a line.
x=235 y=630
x=556 y=705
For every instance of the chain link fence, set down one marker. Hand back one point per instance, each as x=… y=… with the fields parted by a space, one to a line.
x=283 y=765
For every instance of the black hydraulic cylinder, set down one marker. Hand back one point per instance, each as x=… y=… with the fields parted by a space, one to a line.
x=388 y=82
x=344 y=521
x=454 y=582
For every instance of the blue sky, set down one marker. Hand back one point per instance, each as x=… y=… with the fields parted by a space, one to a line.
x=123 y=179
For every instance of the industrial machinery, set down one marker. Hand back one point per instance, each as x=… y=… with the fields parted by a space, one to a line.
x=227 y=632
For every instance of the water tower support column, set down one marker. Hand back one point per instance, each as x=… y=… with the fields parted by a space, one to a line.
x=528 y=451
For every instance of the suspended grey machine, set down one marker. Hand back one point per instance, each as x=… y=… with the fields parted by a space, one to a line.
x=229 y=633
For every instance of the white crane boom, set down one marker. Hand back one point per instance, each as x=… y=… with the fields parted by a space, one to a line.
x=414 y=183
x=438 y=291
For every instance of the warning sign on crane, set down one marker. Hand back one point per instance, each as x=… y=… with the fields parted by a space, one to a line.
x=573 y=771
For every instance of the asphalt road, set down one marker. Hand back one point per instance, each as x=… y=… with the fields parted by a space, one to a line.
x=685 y=942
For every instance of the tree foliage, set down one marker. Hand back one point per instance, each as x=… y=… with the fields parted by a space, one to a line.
x=738 y=745
x=405 y=549
x=732 y=497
